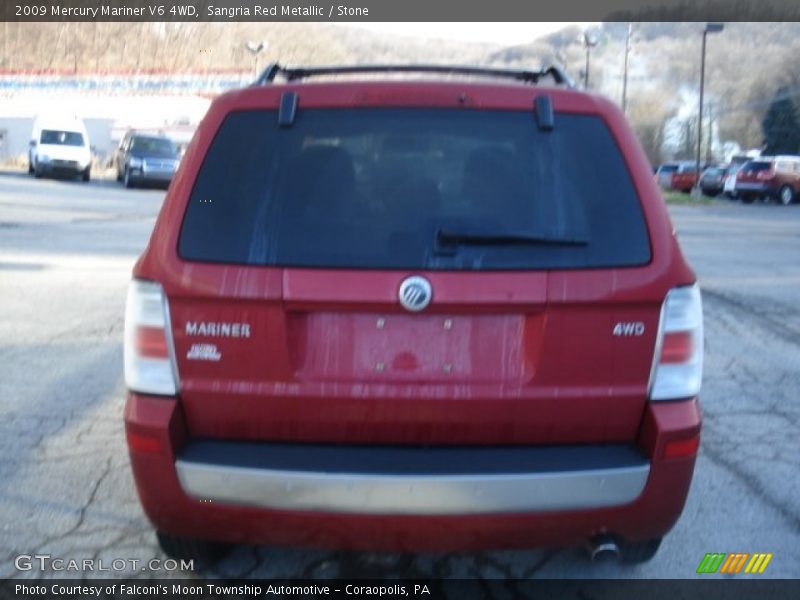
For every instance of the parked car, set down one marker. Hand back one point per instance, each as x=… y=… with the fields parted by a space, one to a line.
x=677 y=176
x=435 y=314
x=146 y=159
x=712 y=181
x=59 y=146
x=769 y=177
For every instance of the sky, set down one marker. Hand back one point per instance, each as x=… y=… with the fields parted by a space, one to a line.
x=500 y=33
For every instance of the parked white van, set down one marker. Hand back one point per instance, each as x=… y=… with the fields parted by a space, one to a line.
x=59 y=147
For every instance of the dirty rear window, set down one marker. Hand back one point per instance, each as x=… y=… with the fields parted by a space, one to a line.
x=61 y=138
x=757 y=166
x=414 y=189
x=154 y=146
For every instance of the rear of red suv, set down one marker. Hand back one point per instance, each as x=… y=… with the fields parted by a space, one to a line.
x=769 y=177
x=413 y=315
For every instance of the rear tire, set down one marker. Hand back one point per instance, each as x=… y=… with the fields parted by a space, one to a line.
x=634 y=553
x=87 y=174
x=37 y=172
x=786 y=195
x=202 y=551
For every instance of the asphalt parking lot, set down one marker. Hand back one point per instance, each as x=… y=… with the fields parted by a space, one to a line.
x=66 y=250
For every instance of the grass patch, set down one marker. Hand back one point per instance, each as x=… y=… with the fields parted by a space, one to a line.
x=685 y=199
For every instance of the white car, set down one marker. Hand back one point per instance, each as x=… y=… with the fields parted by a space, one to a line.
x=729 y=187
x=59 y=147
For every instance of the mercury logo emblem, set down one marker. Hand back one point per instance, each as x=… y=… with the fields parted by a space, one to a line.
x=415 y=293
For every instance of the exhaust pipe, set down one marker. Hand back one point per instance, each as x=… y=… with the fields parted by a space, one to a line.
x=604 y=548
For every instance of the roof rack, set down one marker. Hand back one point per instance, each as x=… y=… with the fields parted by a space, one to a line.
x=273 y=70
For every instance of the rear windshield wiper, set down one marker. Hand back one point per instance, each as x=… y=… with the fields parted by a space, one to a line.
x=503 y=238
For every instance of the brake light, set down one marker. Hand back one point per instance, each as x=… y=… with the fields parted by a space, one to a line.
x=676 y=347
x=151 y=342
x=149 y=363
x=766 y=174
x=678 y=361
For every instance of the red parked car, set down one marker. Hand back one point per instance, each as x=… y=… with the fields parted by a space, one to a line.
x=439 y=313
x=678 y=176
x=769 y=177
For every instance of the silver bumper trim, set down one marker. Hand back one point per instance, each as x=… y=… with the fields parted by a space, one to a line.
x=412 y=494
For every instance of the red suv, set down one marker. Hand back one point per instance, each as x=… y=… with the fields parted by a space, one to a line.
x=678 y=176
x=769 y=177
x=440 y=313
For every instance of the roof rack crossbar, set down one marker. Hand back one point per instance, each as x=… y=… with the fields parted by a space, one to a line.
x=296 y=73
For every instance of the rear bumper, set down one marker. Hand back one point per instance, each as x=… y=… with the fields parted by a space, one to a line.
x=412 y=481
x=368 y=498
x=140 y=176
x=61 y=168
x=711 y=187
x=756 y=188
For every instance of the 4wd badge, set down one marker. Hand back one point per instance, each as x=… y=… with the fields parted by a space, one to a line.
x=628 y=328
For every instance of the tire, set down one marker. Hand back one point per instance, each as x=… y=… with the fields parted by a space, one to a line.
x=126 y=179
x=634 y=553
x=747 y=199
x=37 y=172
x=786 y=195
x=87 y=174
x=202 y=551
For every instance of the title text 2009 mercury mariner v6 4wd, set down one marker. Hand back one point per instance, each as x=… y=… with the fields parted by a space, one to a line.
x=430 y=313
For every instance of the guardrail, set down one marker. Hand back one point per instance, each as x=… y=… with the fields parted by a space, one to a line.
x=147 y=81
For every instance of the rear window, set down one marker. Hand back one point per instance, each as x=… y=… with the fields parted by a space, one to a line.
x=414 y=189
x=759 y=165
x=154 y=146
x=61 y=138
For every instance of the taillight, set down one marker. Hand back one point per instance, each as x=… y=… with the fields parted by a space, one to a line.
x=678 y=361
x=765 y=174
x=149 y=364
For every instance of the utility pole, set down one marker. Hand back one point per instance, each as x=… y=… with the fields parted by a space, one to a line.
x=589 y=42
x=625 y=70
x=710 y=136
x=710 y=28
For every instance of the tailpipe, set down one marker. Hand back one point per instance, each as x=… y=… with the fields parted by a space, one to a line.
x=603 y=548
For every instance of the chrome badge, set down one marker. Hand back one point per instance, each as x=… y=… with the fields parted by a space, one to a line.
x=415 y=293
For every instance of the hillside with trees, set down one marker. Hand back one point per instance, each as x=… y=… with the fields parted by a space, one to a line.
x=749 y=67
